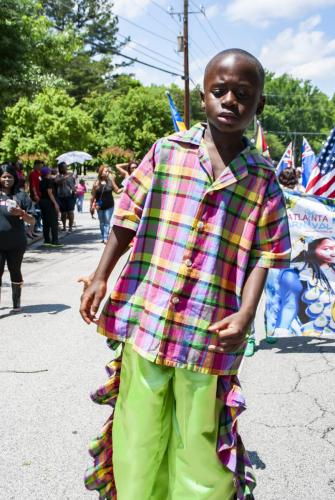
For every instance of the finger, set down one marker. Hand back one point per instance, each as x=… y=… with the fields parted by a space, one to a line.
x=225 y=349
x=95 y=305
x=85 y=308
x=229 y=334
x=219 y=325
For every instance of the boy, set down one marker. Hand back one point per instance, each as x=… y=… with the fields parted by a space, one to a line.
x=208 y=218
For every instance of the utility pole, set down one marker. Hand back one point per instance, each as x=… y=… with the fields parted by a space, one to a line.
x=186 y=69
x=183 y=44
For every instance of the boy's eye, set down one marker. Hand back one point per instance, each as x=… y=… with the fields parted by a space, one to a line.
x=241 y=93
x=218 y=92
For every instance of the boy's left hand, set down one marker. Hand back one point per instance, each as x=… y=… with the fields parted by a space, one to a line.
x=231 y=332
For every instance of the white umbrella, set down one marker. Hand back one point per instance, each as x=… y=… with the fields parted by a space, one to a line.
x=74 y=157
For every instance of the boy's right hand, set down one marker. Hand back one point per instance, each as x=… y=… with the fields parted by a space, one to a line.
x=94 y=292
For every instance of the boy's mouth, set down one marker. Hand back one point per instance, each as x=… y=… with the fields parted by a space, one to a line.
x=227 y=116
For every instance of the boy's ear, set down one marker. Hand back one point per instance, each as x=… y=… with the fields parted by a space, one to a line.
x=260 y=106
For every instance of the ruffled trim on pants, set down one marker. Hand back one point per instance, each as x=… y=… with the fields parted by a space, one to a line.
x=100 y=476
x=230 y=449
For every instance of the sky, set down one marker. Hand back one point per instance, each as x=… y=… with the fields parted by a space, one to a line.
x=288 y=36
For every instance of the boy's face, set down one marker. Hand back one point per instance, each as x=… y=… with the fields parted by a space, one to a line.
x=232 y=93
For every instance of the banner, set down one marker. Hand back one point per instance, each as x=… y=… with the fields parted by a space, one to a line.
x=301 y=300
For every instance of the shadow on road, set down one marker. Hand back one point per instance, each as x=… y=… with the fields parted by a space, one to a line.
x=255 y=460
x=37 y=309
x=300 y=344
x=72 y=242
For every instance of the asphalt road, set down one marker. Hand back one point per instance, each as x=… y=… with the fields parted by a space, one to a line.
x=50 y=361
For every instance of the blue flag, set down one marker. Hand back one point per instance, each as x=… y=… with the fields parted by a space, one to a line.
x=178 y=122
x=287 y=160
x=307 y=161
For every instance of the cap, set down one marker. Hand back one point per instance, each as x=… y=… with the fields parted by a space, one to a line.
x=45 y=171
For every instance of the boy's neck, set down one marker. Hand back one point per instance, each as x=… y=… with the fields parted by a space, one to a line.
x=225 y=142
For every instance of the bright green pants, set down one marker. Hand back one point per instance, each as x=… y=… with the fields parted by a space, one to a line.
x=165 y=433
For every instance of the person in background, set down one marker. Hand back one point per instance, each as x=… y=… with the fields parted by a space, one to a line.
x=66 y=195
x=288 y=178
x=34 y=189
x=102 y=199
x=20 y=174
x=49 y=208
x=126 y=169
x=80 y=193
x=16 y=209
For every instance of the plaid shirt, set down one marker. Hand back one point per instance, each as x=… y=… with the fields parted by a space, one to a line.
x=196 y=238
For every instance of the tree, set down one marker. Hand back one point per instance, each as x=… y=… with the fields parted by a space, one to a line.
x=99 y=105
x=197 y=113
x=135 y=121
x=96 y=26
x=30 y=52
x=294 y=105
x=50 y=124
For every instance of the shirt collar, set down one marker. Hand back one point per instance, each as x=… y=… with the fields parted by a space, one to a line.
x=237 y=168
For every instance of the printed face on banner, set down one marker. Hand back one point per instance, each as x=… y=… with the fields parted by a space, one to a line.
x=301 y=300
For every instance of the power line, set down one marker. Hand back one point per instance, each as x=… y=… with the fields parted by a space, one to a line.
x=149 y=50
x=179 y=26
x=203 y=12
x=159 y=6
x=297 y=97
x=290 y=132
x=153 y=58
x=144 y=29
x=195 y=61
x=208 y=35
x=146 y=64
x=150 y=15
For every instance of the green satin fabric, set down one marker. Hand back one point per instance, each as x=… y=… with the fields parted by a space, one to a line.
x=165 y=433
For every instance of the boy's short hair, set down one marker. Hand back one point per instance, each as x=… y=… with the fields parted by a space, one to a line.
x=241 y=52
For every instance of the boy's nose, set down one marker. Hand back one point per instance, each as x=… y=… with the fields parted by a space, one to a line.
x=228 y=98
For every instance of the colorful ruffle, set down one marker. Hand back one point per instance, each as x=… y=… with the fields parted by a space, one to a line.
x=230 y=449
x=100 y=477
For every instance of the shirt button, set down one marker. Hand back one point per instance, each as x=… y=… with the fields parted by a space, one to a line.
x=200 y=225
x=175 y=300
x=188 y=263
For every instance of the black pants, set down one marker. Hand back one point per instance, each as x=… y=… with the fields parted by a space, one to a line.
x=50 y=221
x=14 y=259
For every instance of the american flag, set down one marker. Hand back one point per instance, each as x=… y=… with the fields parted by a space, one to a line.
x=322 y=178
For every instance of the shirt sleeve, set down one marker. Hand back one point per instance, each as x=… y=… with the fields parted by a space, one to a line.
x=25 y=203
x=129 y=211
x=272 y=244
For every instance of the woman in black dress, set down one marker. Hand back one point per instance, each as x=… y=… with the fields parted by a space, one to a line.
x=15 y=210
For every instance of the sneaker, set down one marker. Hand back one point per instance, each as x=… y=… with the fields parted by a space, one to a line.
x=250 y=349
x=46 y=244
x=270 y=340
x=56 y=245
